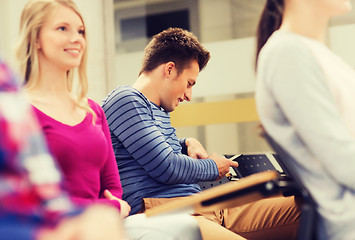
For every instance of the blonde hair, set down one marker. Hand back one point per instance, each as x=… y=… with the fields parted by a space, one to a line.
x=33 y=17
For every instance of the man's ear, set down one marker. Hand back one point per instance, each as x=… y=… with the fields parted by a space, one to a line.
x=168 y=69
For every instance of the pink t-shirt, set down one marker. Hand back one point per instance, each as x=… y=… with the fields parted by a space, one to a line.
x=85 y=155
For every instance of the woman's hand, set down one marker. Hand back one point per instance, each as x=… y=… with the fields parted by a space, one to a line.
x=125 y=208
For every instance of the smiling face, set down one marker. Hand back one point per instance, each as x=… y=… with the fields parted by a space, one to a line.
x=179 y=87
x=61 y=41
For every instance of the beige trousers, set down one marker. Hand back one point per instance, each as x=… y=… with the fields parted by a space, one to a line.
x=270 y=218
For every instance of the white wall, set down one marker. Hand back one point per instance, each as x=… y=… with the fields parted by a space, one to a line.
x=213 y=28
x=9 y=25
x=98 y=16
x=342 y=42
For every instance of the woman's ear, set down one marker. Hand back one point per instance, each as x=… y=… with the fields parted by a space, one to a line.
x=38 y=45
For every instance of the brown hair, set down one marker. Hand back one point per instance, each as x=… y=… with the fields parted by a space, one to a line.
x=270 y=21
x=175 y=45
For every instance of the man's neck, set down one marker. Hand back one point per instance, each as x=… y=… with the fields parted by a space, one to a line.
x=148 y=85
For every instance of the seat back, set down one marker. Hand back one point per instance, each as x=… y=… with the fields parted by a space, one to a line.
x=309 y=215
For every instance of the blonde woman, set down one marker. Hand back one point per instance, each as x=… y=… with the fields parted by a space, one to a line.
x=32 y=203
x=52 y=45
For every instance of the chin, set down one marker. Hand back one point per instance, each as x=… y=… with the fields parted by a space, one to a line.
x=168 y=108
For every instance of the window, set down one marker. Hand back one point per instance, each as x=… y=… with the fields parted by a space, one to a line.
x=137 y=21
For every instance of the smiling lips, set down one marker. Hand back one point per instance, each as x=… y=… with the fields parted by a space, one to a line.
x=72 y=51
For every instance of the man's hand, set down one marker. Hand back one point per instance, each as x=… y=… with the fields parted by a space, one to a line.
x=195 y=149
x=125 y=208
x=223 y=164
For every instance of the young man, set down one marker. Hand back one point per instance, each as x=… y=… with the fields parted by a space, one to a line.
x=155 y=165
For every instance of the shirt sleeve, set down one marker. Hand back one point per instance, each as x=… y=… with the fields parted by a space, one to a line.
x=130 y=119
x=299 y=86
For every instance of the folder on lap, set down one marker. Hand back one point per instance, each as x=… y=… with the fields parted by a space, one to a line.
x=234 y=193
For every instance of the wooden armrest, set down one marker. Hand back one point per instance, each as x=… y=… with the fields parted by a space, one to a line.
x=248 y=189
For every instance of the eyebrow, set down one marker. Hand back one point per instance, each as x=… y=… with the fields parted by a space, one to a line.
x=68 y=24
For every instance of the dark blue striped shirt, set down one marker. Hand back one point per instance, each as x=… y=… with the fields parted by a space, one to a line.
x=148 y=152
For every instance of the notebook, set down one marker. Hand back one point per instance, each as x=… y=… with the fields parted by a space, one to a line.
x=250 y=163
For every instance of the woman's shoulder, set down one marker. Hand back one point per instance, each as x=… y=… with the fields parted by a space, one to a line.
x=95 y=106
x=285 y=48
x=283 y=42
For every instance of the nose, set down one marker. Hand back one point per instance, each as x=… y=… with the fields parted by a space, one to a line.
x=76 y=37
x=188 y=94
